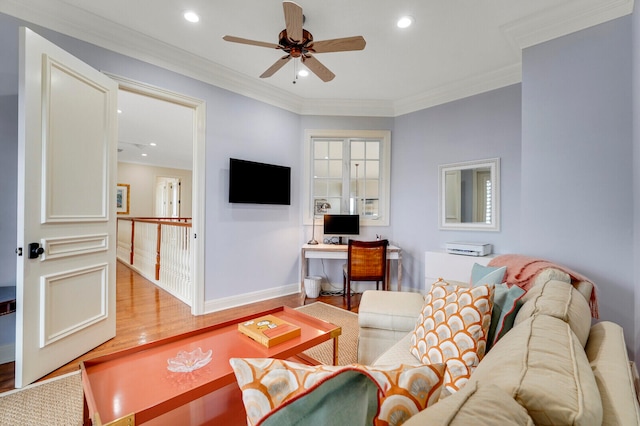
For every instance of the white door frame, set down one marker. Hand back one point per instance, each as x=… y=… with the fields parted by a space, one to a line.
x=198 y=175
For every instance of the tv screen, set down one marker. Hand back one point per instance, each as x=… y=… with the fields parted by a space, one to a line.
x=259 y=183
x=341 y=224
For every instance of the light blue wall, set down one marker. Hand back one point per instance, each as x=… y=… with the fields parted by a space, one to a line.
x=474 y=128
x=635 y=57
x=577 y=164
x=8 y=212
x=236 y=126
x=564 y=138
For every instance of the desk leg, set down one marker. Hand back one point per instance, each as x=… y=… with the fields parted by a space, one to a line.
x=399 y=273
x=304 y=267
x=387 y=278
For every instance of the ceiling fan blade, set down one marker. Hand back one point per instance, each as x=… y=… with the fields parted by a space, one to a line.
x=317 y=68
x=293 y=20
x=251 y=42
x=338 y=45
x=276 y=66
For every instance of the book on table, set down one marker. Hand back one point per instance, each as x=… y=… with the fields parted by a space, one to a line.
x=269 y=330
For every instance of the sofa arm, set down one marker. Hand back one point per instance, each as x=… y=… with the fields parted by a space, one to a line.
x=384 y=317
x=607 y=353
x=388 y=310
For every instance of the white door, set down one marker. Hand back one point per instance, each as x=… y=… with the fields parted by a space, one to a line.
x=66 y=178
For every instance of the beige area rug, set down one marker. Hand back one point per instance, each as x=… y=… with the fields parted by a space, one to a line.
x=348 y=340
x=59 y=401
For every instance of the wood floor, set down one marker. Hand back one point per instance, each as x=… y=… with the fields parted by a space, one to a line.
x=146 y=313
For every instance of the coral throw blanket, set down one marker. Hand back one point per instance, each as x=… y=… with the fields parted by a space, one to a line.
x=522 y=271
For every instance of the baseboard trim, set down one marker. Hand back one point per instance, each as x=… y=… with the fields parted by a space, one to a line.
x=247 y=298
x=7 y=353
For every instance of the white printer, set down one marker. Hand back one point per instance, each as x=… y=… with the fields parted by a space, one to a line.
x=468 y=249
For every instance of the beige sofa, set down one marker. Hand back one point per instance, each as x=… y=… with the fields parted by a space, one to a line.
x=552 y=368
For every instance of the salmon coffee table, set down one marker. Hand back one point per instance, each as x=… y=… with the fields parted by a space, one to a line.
x=134 y=386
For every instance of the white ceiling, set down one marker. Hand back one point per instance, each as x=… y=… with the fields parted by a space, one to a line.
x=456 y=48
x=154 y=132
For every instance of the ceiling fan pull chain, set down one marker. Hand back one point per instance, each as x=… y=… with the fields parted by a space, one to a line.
x=295 y=70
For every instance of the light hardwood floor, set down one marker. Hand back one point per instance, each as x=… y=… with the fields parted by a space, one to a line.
x=146 y=313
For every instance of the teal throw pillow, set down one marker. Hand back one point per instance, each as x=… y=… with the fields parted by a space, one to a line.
x=506 y=303
x=487 y=274
x=506 y=300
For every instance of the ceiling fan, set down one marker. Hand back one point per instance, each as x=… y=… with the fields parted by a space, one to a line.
x=298 y=43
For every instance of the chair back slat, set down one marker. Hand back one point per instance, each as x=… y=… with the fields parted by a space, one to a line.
x=367 y=260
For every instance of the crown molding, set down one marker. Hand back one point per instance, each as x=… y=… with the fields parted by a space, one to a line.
x=61 y=17
x=459 y=89
x=566 y=18
x=93 y=29
x=348 y=107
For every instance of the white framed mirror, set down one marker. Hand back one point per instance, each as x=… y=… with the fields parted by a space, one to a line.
x=470 y=195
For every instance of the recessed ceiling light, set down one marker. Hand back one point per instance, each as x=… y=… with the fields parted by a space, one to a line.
x=119 y=111
x=144 y=155
x=405 y=22
x=191 y=16
x=152 y=144
x=303 y=73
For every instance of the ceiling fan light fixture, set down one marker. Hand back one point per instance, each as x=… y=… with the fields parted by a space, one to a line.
x=191 y=16
x=405 y=22
x=303 y=73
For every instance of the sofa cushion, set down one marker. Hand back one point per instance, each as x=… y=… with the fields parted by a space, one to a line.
x=389 y=310
x=560 y=300
x=607 y=354
x=271 y=385
x=543 y=366
x=486 y=405
x=452 y=328
x=400 y=353
x=549 y=274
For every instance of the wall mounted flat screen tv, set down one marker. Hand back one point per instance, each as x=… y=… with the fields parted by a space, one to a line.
x=341 y=224
x=259 y=183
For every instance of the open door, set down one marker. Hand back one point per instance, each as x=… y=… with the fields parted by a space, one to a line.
x=66 y=220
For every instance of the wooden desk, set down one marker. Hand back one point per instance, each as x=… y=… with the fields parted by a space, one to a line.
x=340 y=251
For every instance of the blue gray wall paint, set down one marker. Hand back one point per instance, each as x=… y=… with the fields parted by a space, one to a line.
x=635 y=56
x=577 y=187
x=236 y=126
x=474 y=128
x=571 y=116
x=8 y=212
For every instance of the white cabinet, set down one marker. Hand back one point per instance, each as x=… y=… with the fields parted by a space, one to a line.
x=454 y=267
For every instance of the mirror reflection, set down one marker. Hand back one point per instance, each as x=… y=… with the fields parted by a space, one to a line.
x=469 y=195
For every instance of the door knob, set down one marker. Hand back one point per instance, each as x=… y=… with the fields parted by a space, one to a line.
x=35 y=250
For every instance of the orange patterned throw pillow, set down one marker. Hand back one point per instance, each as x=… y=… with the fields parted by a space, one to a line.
x=269 y=385
x=452 y=329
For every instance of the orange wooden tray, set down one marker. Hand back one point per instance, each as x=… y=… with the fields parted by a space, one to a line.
x=135 y=383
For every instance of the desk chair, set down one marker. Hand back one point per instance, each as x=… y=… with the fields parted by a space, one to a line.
x=366 y=261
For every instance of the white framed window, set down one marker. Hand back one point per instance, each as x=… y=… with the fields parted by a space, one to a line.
x=350 y=171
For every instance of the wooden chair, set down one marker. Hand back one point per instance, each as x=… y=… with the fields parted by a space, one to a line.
x=367 y=261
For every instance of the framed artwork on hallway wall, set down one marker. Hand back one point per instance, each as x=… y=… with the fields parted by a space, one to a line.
x=122 y=198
